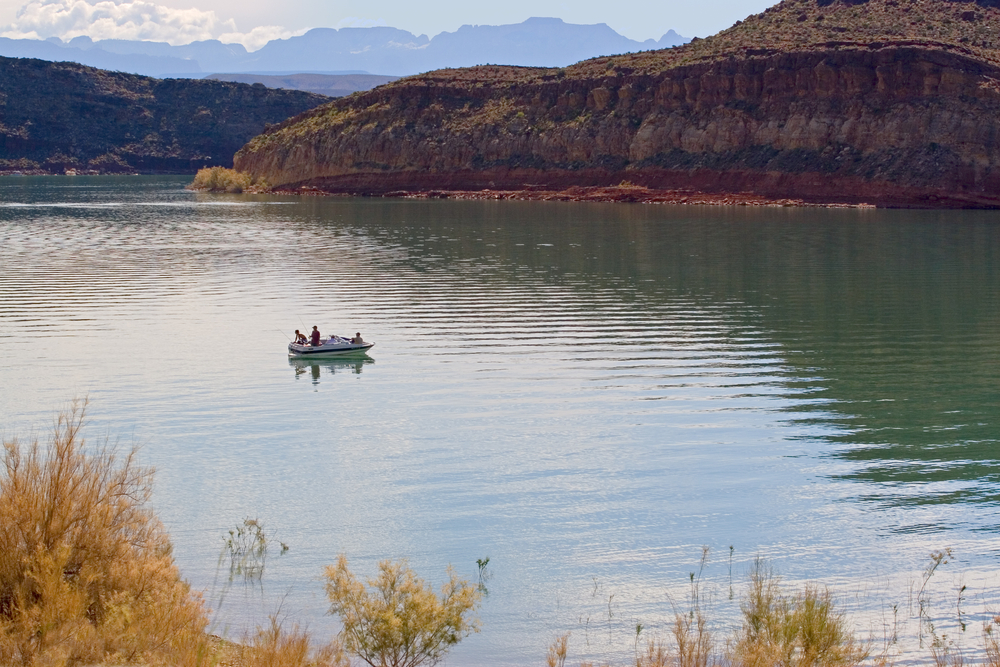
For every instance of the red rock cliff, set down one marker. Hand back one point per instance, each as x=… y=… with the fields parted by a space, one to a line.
x=905 y=121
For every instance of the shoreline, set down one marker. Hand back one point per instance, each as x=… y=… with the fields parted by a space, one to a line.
x=705 y=187
x=630 y=194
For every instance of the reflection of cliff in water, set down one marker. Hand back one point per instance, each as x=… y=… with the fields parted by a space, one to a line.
x=888 y=320
x=891 y=323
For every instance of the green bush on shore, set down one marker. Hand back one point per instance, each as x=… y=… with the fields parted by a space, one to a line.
x=397 y=620
x=221 y=179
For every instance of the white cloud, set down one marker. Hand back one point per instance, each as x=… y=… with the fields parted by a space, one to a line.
x=259 y=36
x=134 y=19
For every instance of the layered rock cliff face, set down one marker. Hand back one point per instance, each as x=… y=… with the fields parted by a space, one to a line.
x=909 y=118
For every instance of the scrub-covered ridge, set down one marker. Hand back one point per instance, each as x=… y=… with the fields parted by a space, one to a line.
x=56 y=117
x=891 y=102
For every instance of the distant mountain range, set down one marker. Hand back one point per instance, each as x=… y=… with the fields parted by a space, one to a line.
x=331 y=85
x=548 y=42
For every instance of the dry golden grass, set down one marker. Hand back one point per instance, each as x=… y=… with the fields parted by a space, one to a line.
x=779 y=629
x=991 y=642
x=86 y=573
x=274 y=646
x=657 y=655
x=693 y=647
x=694 y=641
x=557 y=651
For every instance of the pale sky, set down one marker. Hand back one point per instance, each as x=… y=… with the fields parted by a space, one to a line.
x=253 y=22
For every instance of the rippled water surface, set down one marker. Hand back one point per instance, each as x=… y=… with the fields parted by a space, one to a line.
x=586 y=394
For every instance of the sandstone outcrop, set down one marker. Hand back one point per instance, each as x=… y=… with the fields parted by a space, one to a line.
x=766 y=108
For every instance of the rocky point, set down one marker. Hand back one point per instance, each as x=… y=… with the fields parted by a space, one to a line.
x=885 y=102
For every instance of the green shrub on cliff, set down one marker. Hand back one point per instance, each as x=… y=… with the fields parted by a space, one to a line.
x=21 y=164
x=220 y=179
x=110 y=163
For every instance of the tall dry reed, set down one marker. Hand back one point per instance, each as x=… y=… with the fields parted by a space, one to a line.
x=695 y=646
x=558 y=651
x=991 y=641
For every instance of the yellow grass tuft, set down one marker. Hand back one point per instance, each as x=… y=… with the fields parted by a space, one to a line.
x=220 y=179
x=656 y=655
x=695 y=646
x=991 y=641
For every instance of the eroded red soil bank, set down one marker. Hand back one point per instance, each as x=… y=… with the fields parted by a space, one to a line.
x=661 y=187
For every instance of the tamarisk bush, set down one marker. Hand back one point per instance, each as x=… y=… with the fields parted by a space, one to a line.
x=86 y=573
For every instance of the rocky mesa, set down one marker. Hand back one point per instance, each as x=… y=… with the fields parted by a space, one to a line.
x=886 y=102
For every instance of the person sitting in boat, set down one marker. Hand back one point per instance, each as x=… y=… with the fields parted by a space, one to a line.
x=357 y=339
x=314 y=337
x=300 y=338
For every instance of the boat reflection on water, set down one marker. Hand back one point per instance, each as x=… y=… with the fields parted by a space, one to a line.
x=315 y=367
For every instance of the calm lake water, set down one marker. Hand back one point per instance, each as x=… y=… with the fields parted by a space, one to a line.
x=586 y=394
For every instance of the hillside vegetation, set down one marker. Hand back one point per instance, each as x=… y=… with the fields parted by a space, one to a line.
x=887 y=101
x=331 y=85
x=60 y=116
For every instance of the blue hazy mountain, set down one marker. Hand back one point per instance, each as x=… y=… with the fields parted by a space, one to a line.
x=536 y=42
x=135 y=63
x=546 y=42
x=205 y=55
x=379 y=50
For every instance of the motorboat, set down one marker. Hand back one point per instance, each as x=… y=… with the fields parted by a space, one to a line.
x=328 y=347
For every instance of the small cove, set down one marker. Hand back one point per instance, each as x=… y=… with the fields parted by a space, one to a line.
x=585 y=393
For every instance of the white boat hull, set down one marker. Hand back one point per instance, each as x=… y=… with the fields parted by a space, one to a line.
x=333 y=347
